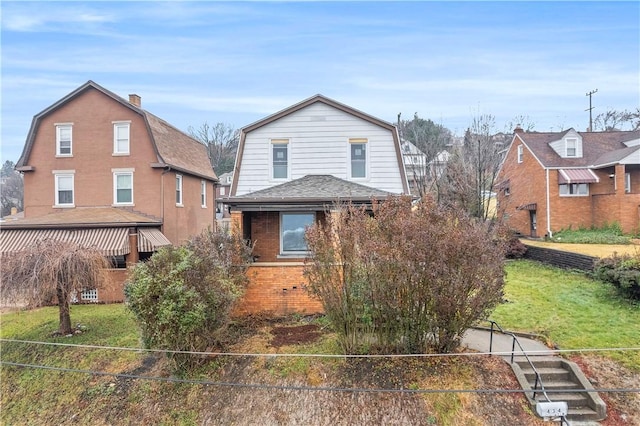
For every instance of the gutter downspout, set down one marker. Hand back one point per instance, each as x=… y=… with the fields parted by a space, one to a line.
x=548 y=206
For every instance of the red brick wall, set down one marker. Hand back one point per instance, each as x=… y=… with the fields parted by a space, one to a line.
x=92 y=115
x=277 y=289
x=527 y=186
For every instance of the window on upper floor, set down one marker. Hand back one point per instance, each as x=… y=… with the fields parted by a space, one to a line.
x=64 y=140
x=121 y=143
x=571 y=147
x=292 y=232
x=358 y=154
x=123 y=186
x=178 y=190
x=574 y=189
x=203 y=193
x=520 y=153
x=627 y=183
x=280 y=158
x=64 y=188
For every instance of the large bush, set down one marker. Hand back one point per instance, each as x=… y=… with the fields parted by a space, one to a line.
x=405 y=280
x=182 y=296
x=623 y=271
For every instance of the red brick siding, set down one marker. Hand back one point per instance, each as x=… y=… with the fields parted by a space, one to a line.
x=278 y=289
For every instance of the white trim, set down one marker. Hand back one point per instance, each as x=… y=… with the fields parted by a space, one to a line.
x=272 y=144
x=56 y=178
x=291 y=253
x=520 y=153
x=365 y=143
x=179 y=190
x=627 y=183
x=116 y=126
x=116 y=174
x=203 y=194
x=59 y=126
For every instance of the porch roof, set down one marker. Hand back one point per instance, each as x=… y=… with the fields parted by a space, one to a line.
x=311 y=192
x=110 y=241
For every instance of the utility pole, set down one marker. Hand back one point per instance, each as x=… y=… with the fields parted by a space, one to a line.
x=590 y=109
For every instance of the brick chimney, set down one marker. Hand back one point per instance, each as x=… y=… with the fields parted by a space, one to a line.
x=518 y=129
x=135 y=100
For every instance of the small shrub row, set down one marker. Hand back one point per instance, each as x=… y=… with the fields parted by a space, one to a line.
x=623 y=271
x=606 y=234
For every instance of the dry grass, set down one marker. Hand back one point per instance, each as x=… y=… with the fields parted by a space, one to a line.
x=596 y=250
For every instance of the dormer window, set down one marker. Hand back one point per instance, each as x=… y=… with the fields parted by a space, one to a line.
x=572 y=150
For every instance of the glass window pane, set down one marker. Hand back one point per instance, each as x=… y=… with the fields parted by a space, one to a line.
x=293 y=229
x=358 y=160
x=65 y=183
x=280 y=161
x=124 y=196
x=65 y=197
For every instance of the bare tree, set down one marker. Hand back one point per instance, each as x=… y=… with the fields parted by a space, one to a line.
x=11 y=189
x=221 y=141
x=50 y=270
x=613 y=120
x=472 y=171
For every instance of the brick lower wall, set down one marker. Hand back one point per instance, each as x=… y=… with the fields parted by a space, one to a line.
x=559 y=258
x=277 y=289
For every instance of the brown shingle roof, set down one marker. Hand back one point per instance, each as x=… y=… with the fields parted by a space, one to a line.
x=595 y=145
x=85 y=217
x=173 y=147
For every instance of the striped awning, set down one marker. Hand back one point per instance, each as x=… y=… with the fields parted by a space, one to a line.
x=151 y=239
x=110 y=241
x=577 y=176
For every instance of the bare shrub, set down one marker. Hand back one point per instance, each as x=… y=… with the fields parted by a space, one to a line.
x=405 y=280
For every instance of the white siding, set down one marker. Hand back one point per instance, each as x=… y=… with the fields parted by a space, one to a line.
x=319 y=144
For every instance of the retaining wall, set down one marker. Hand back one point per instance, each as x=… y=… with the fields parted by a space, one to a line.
x=559 y=258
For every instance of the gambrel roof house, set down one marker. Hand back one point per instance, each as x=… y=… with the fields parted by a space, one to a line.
x=556 y=180
x=102 y=171
x=291 y=169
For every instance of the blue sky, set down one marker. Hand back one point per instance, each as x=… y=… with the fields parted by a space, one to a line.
x=236 y=62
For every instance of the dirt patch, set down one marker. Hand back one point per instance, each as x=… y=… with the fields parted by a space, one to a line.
x=294 y=335
x=623 y=408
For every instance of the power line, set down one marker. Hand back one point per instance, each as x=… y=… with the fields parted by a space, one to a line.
x=308 y=388
x=303 y=355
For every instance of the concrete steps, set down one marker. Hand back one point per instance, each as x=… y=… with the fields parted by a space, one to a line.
x=559 y=378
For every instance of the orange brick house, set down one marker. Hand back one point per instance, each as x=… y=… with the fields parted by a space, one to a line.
x=291 y=169
x=102 y=171
x=554 y=181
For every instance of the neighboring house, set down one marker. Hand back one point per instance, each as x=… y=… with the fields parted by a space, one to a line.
x=291 y=169
x=102 y=171
x=554 y=181
x=419 y=169
x=223 y=189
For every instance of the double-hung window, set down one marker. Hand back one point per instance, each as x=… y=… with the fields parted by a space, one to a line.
x=121 y=137
x=292 y=232
x=571 y=147
x=358 y=153
x=280 y=158
x=520 y=153
x=203 y=193
x=64 y=188
x=64 y=140
x=178 y=190
x=122 y=186
x=574 y=189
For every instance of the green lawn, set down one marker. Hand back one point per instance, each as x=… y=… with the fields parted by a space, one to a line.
x=572 y=310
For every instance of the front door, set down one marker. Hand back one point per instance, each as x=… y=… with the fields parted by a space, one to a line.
x=534 y=223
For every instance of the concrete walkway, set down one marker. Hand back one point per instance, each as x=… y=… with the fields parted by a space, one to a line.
x=478 y=339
